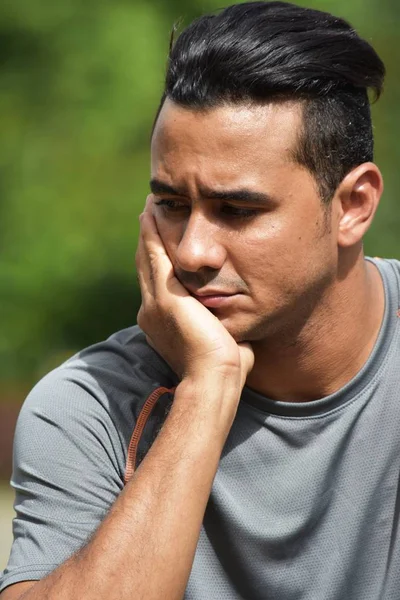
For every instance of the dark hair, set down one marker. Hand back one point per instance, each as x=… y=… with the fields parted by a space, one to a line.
x=259 y=52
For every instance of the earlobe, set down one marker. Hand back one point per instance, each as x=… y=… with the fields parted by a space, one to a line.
x=358 y=195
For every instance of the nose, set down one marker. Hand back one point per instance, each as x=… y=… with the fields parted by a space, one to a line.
x=199 y=246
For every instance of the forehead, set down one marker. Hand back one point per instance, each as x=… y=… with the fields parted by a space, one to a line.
x=227 y=138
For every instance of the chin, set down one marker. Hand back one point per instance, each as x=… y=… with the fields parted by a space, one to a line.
x=243 y=330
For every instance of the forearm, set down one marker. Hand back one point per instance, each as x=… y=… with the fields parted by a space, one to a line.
x=144 y=548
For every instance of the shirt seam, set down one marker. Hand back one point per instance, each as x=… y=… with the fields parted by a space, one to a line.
x=337 y=409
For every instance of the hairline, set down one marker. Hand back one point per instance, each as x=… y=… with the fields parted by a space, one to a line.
x=296 y=99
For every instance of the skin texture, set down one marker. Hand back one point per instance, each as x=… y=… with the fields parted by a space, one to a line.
x=304 y=296
x=302 y=301
x=193 y=340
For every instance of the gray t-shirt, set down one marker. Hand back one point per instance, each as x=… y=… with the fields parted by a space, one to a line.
x=306 y=501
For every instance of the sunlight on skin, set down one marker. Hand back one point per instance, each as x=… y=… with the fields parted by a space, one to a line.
x=238 y=215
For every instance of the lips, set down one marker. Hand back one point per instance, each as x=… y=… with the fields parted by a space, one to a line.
x=215 y=299
x=208 y=292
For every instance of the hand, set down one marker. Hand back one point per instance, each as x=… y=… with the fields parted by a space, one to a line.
x=187 y=335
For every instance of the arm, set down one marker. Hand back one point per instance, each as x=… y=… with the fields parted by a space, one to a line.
x=145 y=546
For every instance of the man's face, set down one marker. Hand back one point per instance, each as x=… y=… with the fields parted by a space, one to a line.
x=239 y=217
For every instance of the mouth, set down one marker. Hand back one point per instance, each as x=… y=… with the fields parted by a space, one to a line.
x=215 y=299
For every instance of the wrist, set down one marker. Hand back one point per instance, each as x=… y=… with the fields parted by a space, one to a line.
x=210 y=401
x=211 y=385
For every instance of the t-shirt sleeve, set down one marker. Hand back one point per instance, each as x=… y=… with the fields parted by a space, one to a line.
x=67 y=472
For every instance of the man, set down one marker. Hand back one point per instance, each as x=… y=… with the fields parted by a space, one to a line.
x=276 y=470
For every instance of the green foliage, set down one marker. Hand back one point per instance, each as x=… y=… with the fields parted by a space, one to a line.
x=79 y=86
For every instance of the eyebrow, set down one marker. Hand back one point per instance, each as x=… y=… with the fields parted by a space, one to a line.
x=158 y=187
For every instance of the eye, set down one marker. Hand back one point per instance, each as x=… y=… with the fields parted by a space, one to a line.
x=170 y=205
x=238 y=212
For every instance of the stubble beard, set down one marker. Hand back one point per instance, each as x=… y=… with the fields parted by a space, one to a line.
x=281 y=326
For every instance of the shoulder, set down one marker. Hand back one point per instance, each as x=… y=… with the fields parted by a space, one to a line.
x=389 y=269
x=101 y=389
x=122 y=363
x=388 y=266
x=80 y=434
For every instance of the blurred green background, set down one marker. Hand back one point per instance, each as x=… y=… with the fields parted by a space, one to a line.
x=80 y=81
x=79 y=85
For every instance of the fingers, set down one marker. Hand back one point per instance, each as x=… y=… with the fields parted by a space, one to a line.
x=142 y=270
x=158 y=264
x=149 y=204
x=188 y=336
x=155 y=270
x=149 y=231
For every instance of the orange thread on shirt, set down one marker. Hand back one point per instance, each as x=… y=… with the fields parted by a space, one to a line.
x=145 y=413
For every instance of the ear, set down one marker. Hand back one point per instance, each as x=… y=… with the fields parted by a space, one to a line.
x=358 y=197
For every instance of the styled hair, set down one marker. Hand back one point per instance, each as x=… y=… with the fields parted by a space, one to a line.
x=260 y=52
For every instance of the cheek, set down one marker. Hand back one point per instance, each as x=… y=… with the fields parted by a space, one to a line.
x=280 y=255
x=268 y=244
x=284 y=234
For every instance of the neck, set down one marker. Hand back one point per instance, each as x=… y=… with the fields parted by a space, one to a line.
x=330 y=349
